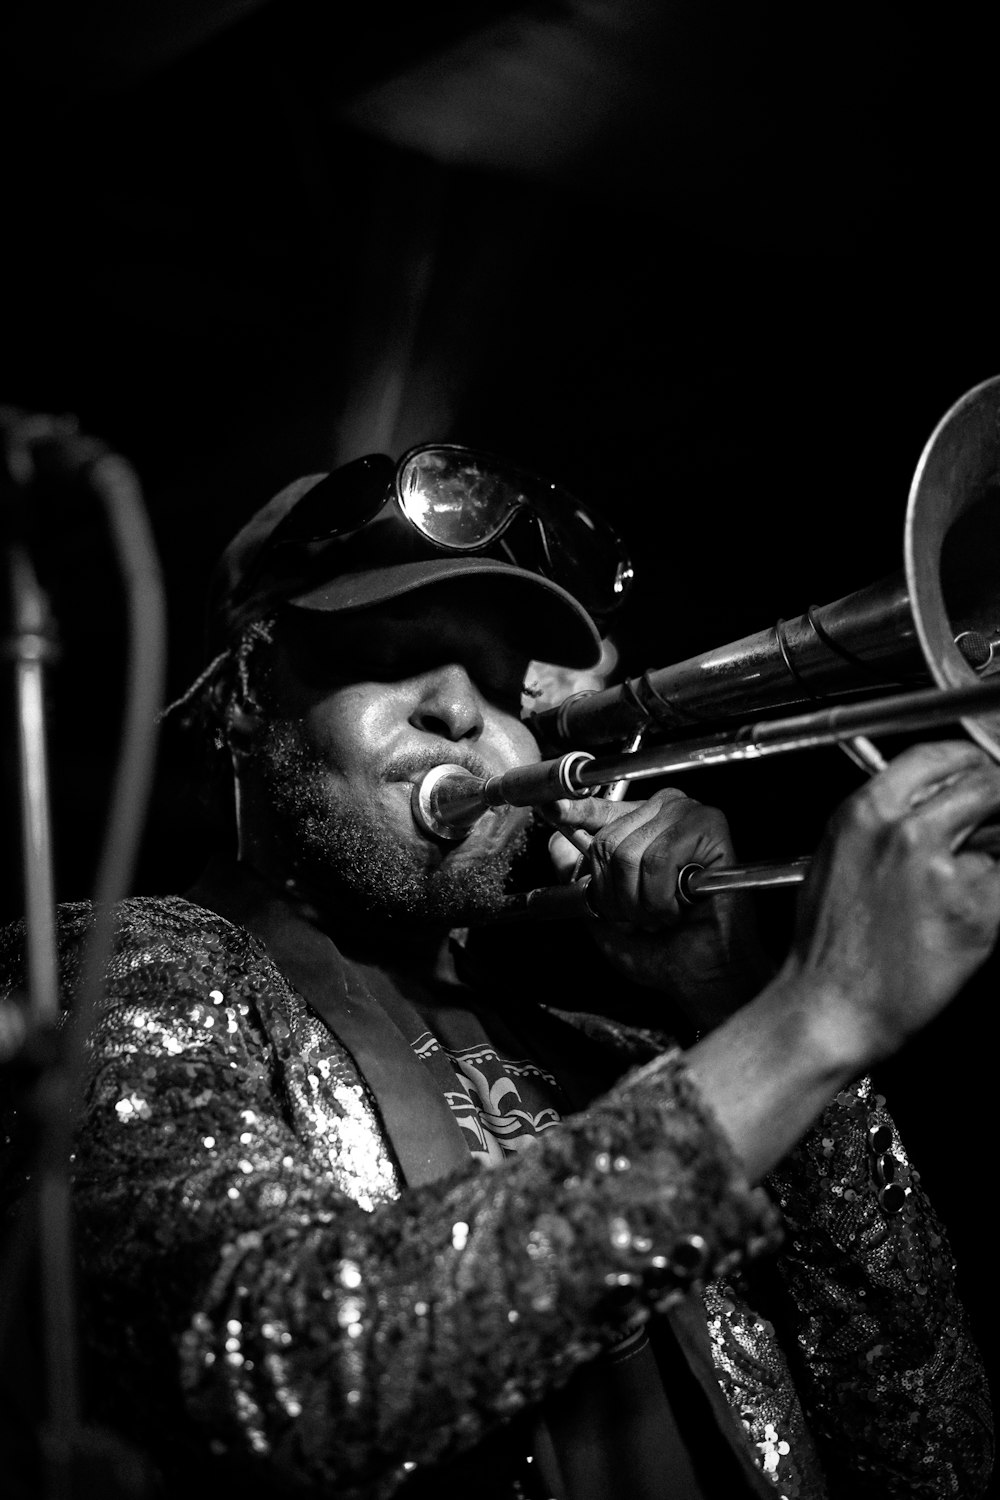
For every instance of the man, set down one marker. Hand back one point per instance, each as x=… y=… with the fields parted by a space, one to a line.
x=358 y=1215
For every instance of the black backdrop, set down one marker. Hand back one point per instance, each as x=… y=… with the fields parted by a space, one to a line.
x=721 y=278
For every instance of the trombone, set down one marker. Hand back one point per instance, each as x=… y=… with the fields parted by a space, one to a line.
x=939 y=617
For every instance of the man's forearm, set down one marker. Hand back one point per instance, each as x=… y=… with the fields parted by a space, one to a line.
x=769 y=1070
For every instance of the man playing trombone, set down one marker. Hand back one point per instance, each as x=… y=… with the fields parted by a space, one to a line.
x=359 y=1215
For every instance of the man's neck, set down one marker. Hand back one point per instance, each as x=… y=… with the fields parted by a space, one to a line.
x=419 y=948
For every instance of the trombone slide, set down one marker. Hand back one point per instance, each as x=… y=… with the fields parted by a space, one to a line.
x=449 y=800
x=696 y=883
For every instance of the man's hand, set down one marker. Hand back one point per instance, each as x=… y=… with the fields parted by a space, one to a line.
x=706 y=956
x=896 y=914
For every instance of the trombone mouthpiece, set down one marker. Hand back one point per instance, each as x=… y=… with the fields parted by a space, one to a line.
x=448 y=801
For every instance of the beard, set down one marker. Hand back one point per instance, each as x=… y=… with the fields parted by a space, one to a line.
x=347 y=853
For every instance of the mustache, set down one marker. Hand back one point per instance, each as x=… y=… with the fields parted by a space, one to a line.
x=416 y=763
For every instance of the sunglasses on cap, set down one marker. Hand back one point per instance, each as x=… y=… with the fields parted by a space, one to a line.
x=460 y=501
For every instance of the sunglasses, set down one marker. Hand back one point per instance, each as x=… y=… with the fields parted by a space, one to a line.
x=460 y=500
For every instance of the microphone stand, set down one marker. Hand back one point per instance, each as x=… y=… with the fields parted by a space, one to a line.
x=45 y=1056
x=31 y=647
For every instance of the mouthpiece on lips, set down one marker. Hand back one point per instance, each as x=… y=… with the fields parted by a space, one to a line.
x=449 y=800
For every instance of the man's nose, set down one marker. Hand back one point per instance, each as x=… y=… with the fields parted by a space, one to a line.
x=449 y=705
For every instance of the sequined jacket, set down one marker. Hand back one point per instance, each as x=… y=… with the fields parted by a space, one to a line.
x=262 y=1295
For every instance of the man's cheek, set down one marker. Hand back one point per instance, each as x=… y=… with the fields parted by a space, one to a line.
x=521 y=748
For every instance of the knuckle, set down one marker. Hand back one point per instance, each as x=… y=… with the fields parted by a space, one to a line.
x=910 y=834
x=600 y=854
x=613 y=858
x=668 y=794
x=937 y=755
x=628 y=857
x=651 y=873
x=867 y=811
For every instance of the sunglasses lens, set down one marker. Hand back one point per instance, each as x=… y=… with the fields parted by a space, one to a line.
x=345 y=500
x=465 y=501
x=585 y=554
x=454 y=498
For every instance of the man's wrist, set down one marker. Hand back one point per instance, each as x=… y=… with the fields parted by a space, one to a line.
x=770 y=1069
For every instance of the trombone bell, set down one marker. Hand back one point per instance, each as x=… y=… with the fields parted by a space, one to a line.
x=952 y=551
x=938 y=618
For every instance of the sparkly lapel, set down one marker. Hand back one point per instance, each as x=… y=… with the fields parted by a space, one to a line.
x=427 y=1141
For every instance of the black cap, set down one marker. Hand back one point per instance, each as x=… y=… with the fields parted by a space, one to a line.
x=381 y=560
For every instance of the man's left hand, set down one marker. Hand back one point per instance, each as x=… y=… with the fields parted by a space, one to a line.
x=705 y=956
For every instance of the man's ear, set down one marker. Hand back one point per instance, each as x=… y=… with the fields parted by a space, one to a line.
x=243 y=721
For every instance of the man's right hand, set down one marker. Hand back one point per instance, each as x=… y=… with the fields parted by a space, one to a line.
x=896 y=915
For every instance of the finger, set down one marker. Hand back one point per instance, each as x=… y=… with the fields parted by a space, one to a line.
x=952 y=812
x=699 y=836
x=571 y=851
x=637 y=851
x=565 y=856
x=570 y=848
x=594 y=813
x=616 y=854
x=921 y=773
x=636 y=862
x=936 y=798
x=579 y=838
x=645 y=879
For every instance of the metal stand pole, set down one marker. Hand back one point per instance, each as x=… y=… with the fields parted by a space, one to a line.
x=76 y=1458
x=31 y=647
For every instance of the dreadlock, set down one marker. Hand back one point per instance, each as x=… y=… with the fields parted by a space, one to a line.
x=204 y=714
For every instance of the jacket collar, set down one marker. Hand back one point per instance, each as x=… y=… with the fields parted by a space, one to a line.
x=425 y=1137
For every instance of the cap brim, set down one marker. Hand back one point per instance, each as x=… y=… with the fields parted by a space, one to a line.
x=551 y=623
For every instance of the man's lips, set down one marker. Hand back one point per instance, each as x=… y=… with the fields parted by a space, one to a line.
x=407 y=772
x=413 y=768
x=489 y=823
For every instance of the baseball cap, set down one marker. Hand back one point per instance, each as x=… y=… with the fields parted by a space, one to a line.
x=351 y=548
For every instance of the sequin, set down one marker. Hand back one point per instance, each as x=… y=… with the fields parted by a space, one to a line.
x=621 y=1234
x=344 y=1330
x=132 y=1107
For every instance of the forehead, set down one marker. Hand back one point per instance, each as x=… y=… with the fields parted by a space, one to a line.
x=459 y=621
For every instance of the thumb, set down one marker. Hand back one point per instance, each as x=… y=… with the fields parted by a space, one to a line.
x=577 y=820
x=567 y=857
x=570 y=842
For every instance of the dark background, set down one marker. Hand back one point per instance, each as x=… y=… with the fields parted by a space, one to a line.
x=720 y=275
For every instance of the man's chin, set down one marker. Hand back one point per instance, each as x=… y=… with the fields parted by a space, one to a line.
x=377 y=872
x=451 y=896
x=368 y=858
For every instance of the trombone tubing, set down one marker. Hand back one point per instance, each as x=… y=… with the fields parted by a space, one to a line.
x=459 y=800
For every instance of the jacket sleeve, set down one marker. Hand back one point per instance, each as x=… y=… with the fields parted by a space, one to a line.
x=234 y=1299
x=886 y=1367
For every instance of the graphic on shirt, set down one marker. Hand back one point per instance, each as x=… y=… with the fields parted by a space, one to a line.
x=500 y=1103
